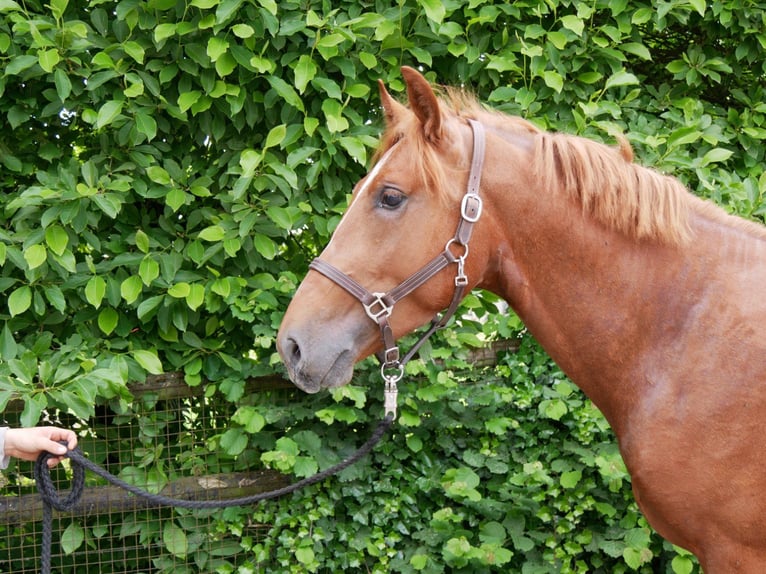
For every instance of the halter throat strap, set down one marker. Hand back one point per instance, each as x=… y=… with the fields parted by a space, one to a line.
x=379 y=306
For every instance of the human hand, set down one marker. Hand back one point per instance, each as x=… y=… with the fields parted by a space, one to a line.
x=28 y=443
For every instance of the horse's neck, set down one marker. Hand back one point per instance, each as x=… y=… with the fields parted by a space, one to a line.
x=584 y=292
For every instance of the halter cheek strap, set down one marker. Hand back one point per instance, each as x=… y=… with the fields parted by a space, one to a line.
x=380 y=306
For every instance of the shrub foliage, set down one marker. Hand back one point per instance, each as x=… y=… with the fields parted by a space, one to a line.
x=168 y=169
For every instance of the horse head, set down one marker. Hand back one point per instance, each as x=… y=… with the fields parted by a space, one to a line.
x=402 y=214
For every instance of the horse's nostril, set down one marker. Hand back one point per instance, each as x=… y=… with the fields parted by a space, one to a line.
x=293 y=350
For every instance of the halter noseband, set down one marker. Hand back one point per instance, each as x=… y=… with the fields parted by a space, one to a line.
x=379 y=306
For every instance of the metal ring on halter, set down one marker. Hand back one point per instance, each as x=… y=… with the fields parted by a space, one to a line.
x=452 y=242
x=382 y=310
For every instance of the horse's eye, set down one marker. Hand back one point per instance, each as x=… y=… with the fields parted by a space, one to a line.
x=391 y=198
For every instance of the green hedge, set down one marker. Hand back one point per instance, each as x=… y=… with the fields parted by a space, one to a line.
x=168 y=169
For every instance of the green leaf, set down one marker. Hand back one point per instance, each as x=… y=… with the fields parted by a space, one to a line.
x=148 y=270
x=148 y=360
x=286 y=92
x=435 y=10
x=58 y=7
x=142 y=241
x=19 y=63
x=158 y=175
x=682 y=565
x=48 y=59
x=134 y=50
x=226 y=9
x=57 y=239
x=196 y=296
x=146 y=125
x=34 y=405
x=164 y=31
x=108 y=113
x=216 y=47
x=716 y=155
x=212 y=233
x=305 y=71
x=107 y=320
x=20 y=300
x=276 y=135
x=63 y=84
x=333 y=111
x=304 y=555
x=571 y=478
x=131 y=288
x=8 y=347
x=187 y=99
x=180 y=290
x=95 y=290
x=234 y=442
x=265 y=246
x=9 y=6
x=553 y=80
x=55 y=297
x=35 y=255
x=621 y=78
x=280 y=216
x=72 y=538
x=573 y=23
x=176 y=198
x=175 y=540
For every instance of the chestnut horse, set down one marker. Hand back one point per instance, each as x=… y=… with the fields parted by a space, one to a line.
x=652 y=300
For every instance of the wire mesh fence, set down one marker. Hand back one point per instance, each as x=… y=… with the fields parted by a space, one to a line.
x=162 y=445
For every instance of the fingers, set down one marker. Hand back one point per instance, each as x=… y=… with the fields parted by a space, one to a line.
x=28 y=443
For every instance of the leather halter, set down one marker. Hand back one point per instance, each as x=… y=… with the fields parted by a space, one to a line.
x=379 y=306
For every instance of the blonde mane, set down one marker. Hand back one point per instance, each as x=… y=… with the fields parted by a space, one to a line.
x=634 y=200
x=624 y=196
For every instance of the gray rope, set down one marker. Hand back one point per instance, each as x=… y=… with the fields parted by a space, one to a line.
x=51 y=498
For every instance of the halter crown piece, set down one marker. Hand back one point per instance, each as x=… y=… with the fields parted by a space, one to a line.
x=379 y=306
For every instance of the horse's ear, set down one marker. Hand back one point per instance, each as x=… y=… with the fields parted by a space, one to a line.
x=423 y=103
x=392 y=109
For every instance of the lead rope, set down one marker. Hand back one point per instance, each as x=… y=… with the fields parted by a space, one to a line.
x=51 y=498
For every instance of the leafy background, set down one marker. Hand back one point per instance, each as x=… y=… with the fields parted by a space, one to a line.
x=169 y=168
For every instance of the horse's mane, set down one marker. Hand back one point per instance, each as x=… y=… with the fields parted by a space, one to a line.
x=624 y=196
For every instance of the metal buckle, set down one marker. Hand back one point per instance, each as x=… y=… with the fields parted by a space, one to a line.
x=383 y=310
x=471 y=213
x=391 y=356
